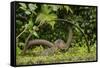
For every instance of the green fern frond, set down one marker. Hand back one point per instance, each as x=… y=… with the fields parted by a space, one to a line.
x=46 y=16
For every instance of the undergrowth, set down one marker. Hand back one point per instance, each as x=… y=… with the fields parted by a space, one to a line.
x=74 y=54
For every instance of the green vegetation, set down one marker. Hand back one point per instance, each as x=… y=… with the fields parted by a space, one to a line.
x=75 y=54
x=52 y=22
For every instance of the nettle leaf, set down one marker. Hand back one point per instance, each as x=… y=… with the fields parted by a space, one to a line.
x=23 y=6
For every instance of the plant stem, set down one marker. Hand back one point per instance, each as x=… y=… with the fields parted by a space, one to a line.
x=21 y=33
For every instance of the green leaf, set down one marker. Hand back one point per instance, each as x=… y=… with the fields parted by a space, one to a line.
x=32 y=7
x=35 y=34
x=18 y=50
x=21 y=44
x=26 y=25
x=45 y=9
x=55 y=7
x=23 y=6
x=77 y=30
x=30 y=25
x=35 y=28
x=27 y=12
x=46 y=16
x=19 y=22
x=68 y=9
x=52 y=23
